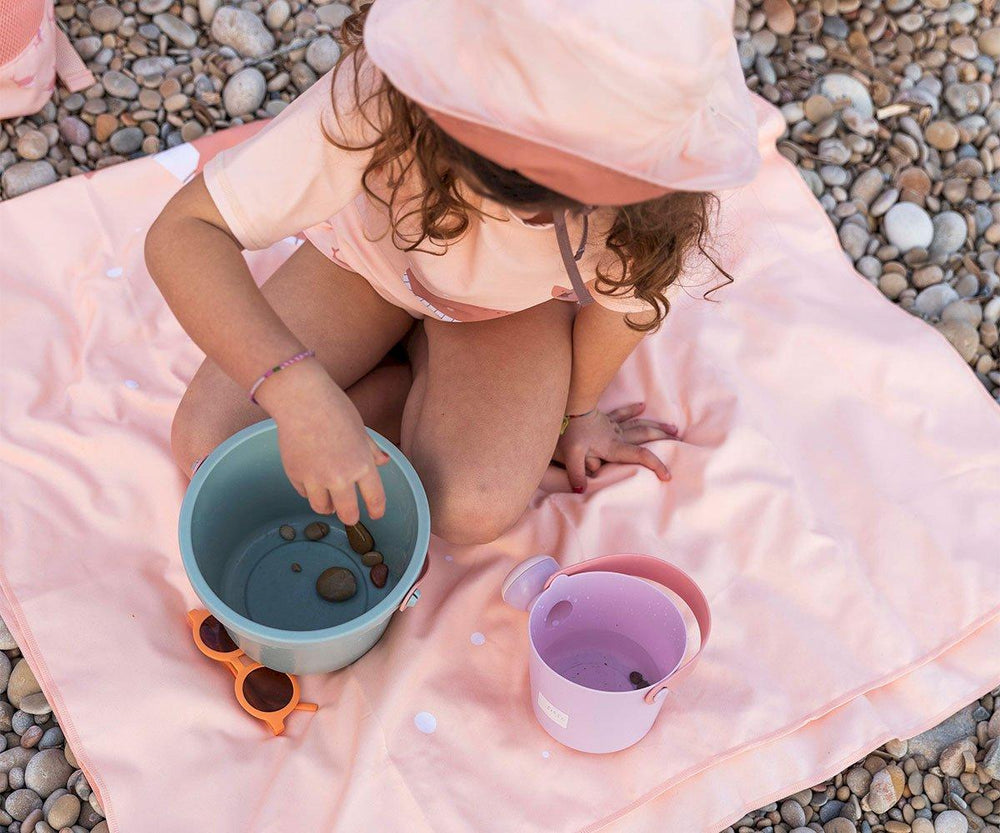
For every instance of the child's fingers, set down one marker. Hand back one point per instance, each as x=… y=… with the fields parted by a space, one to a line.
x=645 y=434
x=668 y=427
x=593 y=465
x=624 y=453
x=627 y=411
x=372 y=493
x=346 y=506
x=319 y=499
x=576 y=470
x=381 y=458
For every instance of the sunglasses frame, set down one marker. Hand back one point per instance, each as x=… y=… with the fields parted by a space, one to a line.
x=242 y=667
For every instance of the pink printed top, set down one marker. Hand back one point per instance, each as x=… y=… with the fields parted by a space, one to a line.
x=289 y=178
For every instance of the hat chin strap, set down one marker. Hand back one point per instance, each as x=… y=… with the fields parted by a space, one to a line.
x=583 y=295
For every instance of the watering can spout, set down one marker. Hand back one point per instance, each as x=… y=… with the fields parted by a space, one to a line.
x=527 y=580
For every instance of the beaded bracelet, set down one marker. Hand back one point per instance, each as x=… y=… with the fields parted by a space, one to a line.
x=287 y=363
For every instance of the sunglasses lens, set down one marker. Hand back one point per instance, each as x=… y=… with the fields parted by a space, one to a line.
x=267 y=690
x=216 y=637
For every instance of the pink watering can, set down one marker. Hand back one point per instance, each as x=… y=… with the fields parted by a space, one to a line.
x=604 y=644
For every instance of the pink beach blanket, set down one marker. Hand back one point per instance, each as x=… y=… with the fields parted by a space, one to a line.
x=835 y=495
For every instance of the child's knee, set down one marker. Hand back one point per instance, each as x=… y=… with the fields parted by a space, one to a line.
x=194 y=433
x=468 y=514
x=185 y=442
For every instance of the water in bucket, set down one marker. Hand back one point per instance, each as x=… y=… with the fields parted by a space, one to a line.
x=601 y=660
x=595 y=630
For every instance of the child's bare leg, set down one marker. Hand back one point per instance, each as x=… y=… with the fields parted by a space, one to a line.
x=380 y=397
x=334 y=312
x=484 y=413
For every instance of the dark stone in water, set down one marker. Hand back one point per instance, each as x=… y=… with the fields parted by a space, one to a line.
x=379 y=575
x=317 y=530
x=638 y=680
x=371 y=559
x=360 y=538
x=336 y=584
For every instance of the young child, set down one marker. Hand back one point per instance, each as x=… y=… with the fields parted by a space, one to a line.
x=468 y=179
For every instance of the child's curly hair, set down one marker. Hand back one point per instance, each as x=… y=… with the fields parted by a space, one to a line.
x=651 y=239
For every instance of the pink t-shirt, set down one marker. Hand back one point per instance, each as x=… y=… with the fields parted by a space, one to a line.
x=290 y=178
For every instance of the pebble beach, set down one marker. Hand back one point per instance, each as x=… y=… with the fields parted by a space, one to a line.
x=892 y=110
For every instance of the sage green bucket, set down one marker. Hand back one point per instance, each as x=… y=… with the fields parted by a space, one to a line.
x=241 y=567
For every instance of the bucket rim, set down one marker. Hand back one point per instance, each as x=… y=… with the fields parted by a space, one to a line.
x=640 y=692
x=280 y=636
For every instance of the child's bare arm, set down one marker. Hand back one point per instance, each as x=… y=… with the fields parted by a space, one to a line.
x=601 y=343
x=198 y=265
x=602 y=340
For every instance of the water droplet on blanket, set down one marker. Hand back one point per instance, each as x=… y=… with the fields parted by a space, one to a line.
x=425 y=722
x=546 y=753
x=131 y=384
x=477 y=639
x=114 y=272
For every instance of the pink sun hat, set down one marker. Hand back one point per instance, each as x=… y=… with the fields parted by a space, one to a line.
x=606 y=105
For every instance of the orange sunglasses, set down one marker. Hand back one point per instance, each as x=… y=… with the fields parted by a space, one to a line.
x=264 y=693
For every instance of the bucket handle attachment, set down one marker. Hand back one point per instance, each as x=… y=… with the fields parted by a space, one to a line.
x=666 y=574
x=411 y=598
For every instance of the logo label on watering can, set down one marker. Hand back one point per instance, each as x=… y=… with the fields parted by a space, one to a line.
x=554 y=714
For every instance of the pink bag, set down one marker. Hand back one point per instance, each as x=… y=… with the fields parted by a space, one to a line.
x=32 y=50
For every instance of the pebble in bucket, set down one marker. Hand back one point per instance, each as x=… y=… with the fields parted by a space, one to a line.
x=604 y=644
x=287 y=587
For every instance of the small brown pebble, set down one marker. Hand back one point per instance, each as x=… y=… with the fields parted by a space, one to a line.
x=170 y=87
x=335 y=584
x=31 y=736
x=191 y=130
x=914 y=185
x=638 y=680
x=317 y=530
x=818 y=108
x=32 y=819
x=287 y=532
x=371 y=559
x=780 y=16
x=296 y=567
x=150 y=99
x=105 y=126
x=360 y=539
x=942 y=135
x=981 y=806
x=379 y=575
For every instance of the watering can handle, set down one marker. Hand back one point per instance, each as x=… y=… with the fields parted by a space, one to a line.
x=671 y=577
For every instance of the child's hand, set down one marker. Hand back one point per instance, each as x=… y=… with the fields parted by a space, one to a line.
x=615 y=437
x=324 y=446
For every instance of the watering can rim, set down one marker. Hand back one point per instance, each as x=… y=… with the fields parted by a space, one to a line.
x=636 y=565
